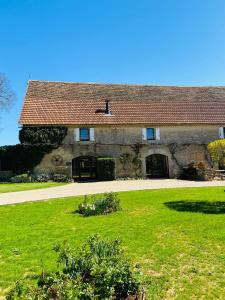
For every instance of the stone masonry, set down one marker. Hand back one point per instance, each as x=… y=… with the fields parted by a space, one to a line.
x=181 y=145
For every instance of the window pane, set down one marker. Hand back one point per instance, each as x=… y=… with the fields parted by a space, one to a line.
x=84 y=134
x=150 y=134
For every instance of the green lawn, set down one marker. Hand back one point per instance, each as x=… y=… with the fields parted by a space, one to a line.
x=180 y=244
x=16 y=187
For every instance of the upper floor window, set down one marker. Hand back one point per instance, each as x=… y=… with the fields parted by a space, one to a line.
x=84 y=134
x=150 y=133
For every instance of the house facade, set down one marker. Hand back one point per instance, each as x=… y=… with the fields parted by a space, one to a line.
x=151 y=131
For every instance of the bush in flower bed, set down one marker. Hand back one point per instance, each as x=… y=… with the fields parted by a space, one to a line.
x=42 y=177
x=97 y=270
x=101 y=205
x=60 y=178
x=22 y=178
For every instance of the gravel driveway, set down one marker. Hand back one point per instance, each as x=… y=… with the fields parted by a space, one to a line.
x=77 y=189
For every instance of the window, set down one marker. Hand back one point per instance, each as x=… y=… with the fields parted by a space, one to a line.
x=84 y=134
x=150 y=133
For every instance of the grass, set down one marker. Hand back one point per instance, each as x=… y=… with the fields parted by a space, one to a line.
x=180 y=245
x=16 y=187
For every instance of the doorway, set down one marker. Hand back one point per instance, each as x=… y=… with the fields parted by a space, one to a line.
x=157 y=166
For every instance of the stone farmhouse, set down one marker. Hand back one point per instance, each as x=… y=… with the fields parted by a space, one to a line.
x=151 y=131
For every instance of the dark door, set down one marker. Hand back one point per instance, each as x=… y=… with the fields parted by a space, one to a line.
x=84 y=167
x=157 y=166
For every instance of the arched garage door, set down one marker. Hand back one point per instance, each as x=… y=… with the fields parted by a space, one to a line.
x=157 y=166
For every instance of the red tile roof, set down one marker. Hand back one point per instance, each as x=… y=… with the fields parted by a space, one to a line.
x=64 y=103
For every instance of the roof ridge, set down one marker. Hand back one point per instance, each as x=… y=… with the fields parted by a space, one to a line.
x=127 y=84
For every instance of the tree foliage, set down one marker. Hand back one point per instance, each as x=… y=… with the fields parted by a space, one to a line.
x=217 y=151
x=42 y=135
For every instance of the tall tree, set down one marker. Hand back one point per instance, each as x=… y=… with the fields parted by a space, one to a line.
x=7 y=95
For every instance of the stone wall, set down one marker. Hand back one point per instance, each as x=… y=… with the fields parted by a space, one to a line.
x=181 y=144
x=188 y=134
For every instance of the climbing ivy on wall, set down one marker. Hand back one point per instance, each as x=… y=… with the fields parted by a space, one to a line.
x=42 y=135
x=132 y=159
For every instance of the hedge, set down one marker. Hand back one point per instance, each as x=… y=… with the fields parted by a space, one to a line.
x=22 y=158
x=35 y=143
x=106 y=168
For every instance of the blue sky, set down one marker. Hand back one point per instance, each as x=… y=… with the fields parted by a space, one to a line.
x=170 y=42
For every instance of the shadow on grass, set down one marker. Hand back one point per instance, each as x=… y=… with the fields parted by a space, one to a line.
x=206 y=207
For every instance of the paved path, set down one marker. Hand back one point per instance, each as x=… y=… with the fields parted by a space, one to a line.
x=77 y=189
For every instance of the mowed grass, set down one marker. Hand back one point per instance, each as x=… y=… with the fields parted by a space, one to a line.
x=180 y=245
x=16 y=187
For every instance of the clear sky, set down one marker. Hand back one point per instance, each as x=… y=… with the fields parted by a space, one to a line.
x=170 y=42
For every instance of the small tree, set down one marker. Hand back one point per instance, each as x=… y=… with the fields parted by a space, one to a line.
x=7 y=95
x=217 y=151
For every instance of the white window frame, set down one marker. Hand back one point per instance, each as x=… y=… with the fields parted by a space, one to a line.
x=77 y=134
x=221 y=132
x=91 y=134
x=156 y=134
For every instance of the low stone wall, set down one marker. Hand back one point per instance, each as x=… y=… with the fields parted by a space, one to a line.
x=206 y=174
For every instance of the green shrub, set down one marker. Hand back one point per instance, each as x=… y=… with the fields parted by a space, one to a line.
x=41 y=177
x=217 y=152
x=97 y=270
x=105 y=168
x=61 y=178
x=101 y=205
x=42 y=135
x=23 y=158
x=5 y=176
x=22 y=178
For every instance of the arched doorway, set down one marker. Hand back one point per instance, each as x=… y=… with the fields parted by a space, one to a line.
x=84 y=168
x=157 y=166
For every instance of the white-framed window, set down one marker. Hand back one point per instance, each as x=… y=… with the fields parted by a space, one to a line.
x=150 y=134
x=84 y=134
x=222 y=132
